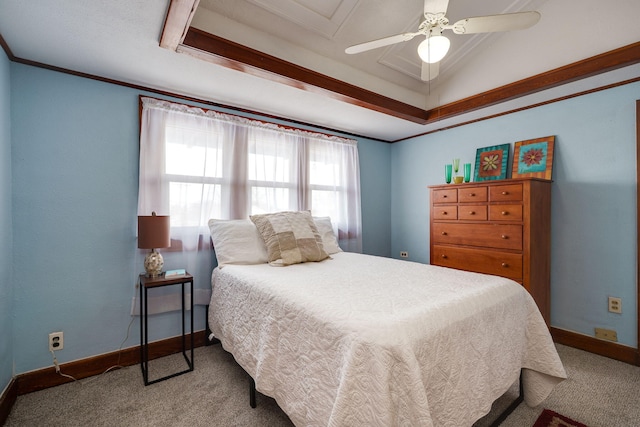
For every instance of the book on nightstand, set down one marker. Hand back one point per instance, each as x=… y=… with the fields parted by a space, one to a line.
x=171 y=273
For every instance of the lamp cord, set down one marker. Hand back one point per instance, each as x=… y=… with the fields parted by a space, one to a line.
x=116 y=366
x=55 y=362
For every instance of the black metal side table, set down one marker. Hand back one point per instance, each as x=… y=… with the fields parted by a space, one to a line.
x=154 y=282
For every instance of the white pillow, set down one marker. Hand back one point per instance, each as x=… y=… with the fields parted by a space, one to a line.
x=237 y=241
x=329 y=241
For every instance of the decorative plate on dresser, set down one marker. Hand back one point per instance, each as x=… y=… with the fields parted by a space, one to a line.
x=496 y=227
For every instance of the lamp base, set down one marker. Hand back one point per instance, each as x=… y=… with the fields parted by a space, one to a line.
x=153 y=263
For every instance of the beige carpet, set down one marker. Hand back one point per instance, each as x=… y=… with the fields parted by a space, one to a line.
x=600 y=392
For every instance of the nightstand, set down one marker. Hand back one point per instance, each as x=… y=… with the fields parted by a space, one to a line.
x=147 y=283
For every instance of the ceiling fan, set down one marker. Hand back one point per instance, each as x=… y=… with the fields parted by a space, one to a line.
x=435 y=46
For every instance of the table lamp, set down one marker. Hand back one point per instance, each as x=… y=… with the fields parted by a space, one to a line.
x=153 y=233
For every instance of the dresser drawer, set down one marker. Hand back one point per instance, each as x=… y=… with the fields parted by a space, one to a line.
x=499 y=236
x=472 y=212
x=445 y=212
x=445 y=196
x=472 y=194
x=503 y=264
x=505 y=212
x=505 y=193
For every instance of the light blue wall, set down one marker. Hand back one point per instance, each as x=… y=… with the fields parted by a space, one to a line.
x=6 y=233
x=75 y=168
x=75 y=182
x=593 y=199
x=375 y=180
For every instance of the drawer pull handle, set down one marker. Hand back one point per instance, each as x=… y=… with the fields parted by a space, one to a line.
x=444 y=197
x=505 y=213
x=472 y=194
x=504 y=193
x=504 y=236
x=504 y=264
x=444 y=233
x=444 y=256
x=472 y=213
x=444 y=212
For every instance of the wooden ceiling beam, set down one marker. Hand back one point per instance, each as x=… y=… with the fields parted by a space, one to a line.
x=177 y=22
x=609 y=61
x=238 y=57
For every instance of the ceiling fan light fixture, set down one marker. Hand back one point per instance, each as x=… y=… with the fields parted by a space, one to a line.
x=433 y=49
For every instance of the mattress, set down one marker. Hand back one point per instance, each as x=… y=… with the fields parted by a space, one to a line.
x=359 y=340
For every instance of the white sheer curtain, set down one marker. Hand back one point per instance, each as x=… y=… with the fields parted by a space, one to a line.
x=199 y=164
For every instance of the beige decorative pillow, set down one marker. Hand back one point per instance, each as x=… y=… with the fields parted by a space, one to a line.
x=290 y=237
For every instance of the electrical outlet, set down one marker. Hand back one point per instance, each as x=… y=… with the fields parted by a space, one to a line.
x=404 y=254
x=56 y=341
x=615 y=305
x=607 y=334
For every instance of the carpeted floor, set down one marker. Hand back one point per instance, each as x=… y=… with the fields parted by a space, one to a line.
x=549 y=418
x=600 y=392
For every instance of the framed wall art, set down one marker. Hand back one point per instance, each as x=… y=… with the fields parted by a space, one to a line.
x=491 y=162
x=533 y=158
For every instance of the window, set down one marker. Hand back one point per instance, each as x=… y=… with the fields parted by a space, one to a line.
x=194 y=171
x=199 y=164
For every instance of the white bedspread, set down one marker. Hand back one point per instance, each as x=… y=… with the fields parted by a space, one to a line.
x=360 y=340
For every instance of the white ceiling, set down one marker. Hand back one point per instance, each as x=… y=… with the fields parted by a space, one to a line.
x=119 y=39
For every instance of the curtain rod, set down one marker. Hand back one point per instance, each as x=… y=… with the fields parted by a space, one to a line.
x=263 y=122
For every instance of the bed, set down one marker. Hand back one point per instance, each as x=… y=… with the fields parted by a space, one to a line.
x=359 y=340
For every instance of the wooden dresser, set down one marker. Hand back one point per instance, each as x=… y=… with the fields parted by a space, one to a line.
x=496 y=227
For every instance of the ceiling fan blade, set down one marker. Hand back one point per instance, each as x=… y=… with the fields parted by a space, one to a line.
x=380 y=43
x=436 y=6
x=430 y=71
x=495 y=23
